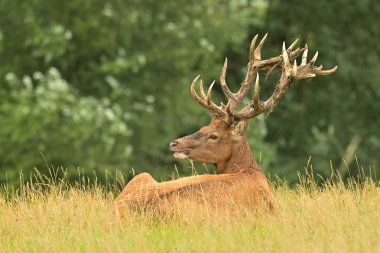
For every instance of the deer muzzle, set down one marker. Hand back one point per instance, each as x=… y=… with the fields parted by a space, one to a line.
x=178 y=152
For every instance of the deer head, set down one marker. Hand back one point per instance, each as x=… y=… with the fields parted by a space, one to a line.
x=223 y=141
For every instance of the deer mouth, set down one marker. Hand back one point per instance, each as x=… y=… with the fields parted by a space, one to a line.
x=181 y=154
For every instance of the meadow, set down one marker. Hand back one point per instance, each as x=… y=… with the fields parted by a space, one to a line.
x=56 y=216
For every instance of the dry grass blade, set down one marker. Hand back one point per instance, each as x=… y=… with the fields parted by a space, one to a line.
x=335 y=218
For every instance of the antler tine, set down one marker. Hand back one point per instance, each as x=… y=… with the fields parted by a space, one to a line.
x=208 y=99
x=285 y=56
x=326 y=72
x=258 y=49
x=193 y=92
x=227 y=92
x=228 y=108
x=256 y=97
x=295 y=67
x=293 y=44
x=304 y=56
x=252 y=49
x=205 y=102
x=312 y=61
x=202 y=90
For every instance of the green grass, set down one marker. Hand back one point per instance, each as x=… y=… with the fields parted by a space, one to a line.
x=62 y=218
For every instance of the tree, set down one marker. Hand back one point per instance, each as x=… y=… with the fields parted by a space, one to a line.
x=130 y=59
x=335 y=117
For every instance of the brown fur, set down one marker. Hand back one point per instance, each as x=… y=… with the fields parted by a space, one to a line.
x=247 y=189
x=239 y=181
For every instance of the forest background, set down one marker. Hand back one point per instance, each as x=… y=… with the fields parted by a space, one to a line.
x=104 y=86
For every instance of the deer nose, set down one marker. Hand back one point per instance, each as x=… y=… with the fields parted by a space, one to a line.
x=173 y=144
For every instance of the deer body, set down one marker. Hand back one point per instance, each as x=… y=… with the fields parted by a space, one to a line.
x=239 y=179
x=249 y=189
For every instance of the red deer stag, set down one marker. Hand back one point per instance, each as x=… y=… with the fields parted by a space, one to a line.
x=223 y=142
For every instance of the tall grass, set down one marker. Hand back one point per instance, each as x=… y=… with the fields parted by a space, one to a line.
x=52 y=215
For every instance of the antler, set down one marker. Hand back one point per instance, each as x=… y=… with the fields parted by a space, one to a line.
x=205 y=100
x=290 y=74
x=254 y=54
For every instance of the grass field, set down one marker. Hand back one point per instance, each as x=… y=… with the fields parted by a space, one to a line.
x=62 y=218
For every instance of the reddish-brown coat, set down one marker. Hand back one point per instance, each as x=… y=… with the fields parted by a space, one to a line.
x=240 y=181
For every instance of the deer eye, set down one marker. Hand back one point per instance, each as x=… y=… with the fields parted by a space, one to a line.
x=213 y=137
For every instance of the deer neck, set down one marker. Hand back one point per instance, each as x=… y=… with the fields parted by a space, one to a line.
x=241 y=160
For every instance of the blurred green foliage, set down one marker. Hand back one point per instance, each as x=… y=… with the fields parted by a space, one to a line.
x=43 y=114
x=105 y=84
x=331 y=117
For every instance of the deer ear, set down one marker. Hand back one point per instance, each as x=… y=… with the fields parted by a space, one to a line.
x=240 y=128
